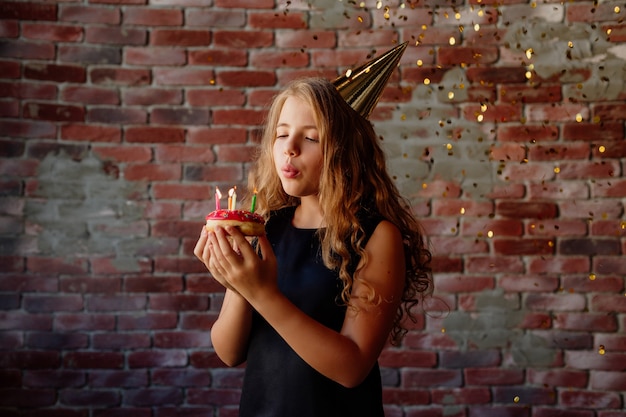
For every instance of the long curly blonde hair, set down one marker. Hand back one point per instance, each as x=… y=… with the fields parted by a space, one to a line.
x=354 y=175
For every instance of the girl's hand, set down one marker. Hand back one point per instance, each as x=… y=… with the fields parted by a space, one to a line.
x=202 y=251
x=238 y=265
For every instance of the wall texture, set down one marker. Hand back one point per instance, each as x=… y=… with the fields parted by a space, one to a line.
x=504 y=125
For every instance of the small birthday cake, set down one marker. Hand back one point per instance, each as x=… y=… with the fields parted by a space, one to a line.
x=250 y=224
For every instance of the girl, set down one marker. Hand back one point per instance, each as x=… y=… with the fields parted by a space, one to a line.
x=343 y=261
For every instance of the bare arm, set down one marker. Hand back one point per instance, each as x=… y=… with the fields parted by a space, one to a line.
x=231 y=330
x=346 y=356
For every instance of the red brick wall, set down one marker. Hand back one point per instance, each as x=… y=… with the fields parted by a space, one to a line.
x=504 y=126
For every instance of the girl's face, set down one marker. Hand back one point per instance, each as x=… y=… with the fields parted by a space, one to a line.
x=297 y=149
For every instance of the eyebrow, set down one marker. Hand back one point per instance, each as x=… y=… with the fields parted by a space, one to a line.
x=288 y=125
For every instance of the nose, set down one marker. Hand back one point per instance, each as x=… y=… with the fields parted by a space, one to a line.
x=291 y=147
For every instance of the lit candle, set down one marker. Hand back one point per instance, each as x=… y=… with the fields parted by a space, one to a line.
x=218 y=195
x=232 y=198
x=253 y=201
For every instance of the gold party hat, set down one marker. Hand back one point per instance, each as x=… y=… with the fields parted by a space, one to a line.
x=362 y=87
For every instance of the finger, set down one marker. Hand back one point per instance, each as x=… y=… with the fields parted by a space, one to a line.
x=240 y=243
x=265 y=246
x=226 y=246
x=199 y=248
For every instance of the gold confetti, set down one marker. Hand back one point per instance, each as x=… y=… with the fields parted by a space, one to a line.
x=426 y=81
x=601 y=350
x=601 y=149
x=592 y=276
x=516 y=399
x=616 y=9
x=570 y=44
x=451 y=95
x=579 y=117
x=476 y=27
x=452 y=41
x=479 y=118
x=420 y=62
x=529 y=53
x=443 y=330
x=490 y=234
x=462 y=211
x=557 y=170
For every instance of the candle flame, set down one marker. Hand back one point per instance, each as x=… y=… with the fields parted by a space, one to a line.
x=218 y=194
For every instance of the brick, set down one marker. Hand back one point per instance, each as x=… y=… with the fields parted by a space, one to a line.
x=152 y=172
x=605 y=131
x=154 y=134
x=94 y=398
x=10 y=69
x=610 y=361
x=178 y=302
x=212 y=97
x=487 y=264
x=53 y=112
x=515 y=93
x=149 y=96
x=558 y=377
x=243 y=78
x=498 y=227
x=397 y=358
x=527 y=133
x=81 y=321
x=55 y=72
x=408 y=397
x=116 y=303
x=609 y=303
x=528 y=284
x=21 y=398
x=24 y=321
x=493 y=376
x=147 y=321
x=270 y=20
x=525 y=395
x=216 y=57
x=244 y=39
x=475 y=55
x=462 y=396
x=557 y=152
x=148 y=284
x=153 y=396
x=104 y=378
x=120 y=341
x=56 y=341
x=52 y=32
x=526 y=210
x=161 y=358
x=178 y=37
x=89 y=133
x=152 y=17
x=51 y=303
x=90 y=95
x=216 y=135
x=93 y=360
x=609 y=188
x=28 y=11
x=181 y=377
x=116 y=115
x=126 y=153
x=183 y=76
x=436 y=377
x=154 y=56
x=213 y=397
x=28 y=50
x=89 y=14
x=120 y=76
x=455 y=245
x=216 y=18
x=29 y=90
x=585 y=322
x=182 y=339
x=28 y=359
x=463 y=284
x=116 y=35
x=54 y=378
x=89 y=284
x=608 y=381
x=179 y=116
x=592 y=400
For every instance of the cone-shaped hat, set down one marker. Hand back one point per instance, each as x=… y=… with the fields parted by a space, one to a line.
x=362 y=87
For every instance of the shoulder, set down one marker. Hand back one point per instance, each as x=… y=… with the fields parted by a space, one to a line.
x=386 y=235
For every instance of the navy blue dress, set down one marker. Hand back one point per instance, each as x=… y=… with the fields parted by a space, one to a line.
x=277 y=382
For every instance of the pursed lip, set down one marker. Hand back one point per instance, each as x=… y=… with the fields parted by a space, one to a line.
x=289 y=171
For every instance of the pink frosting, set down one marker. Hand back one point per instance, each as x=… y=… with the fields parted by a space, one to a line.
x=240 y=215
